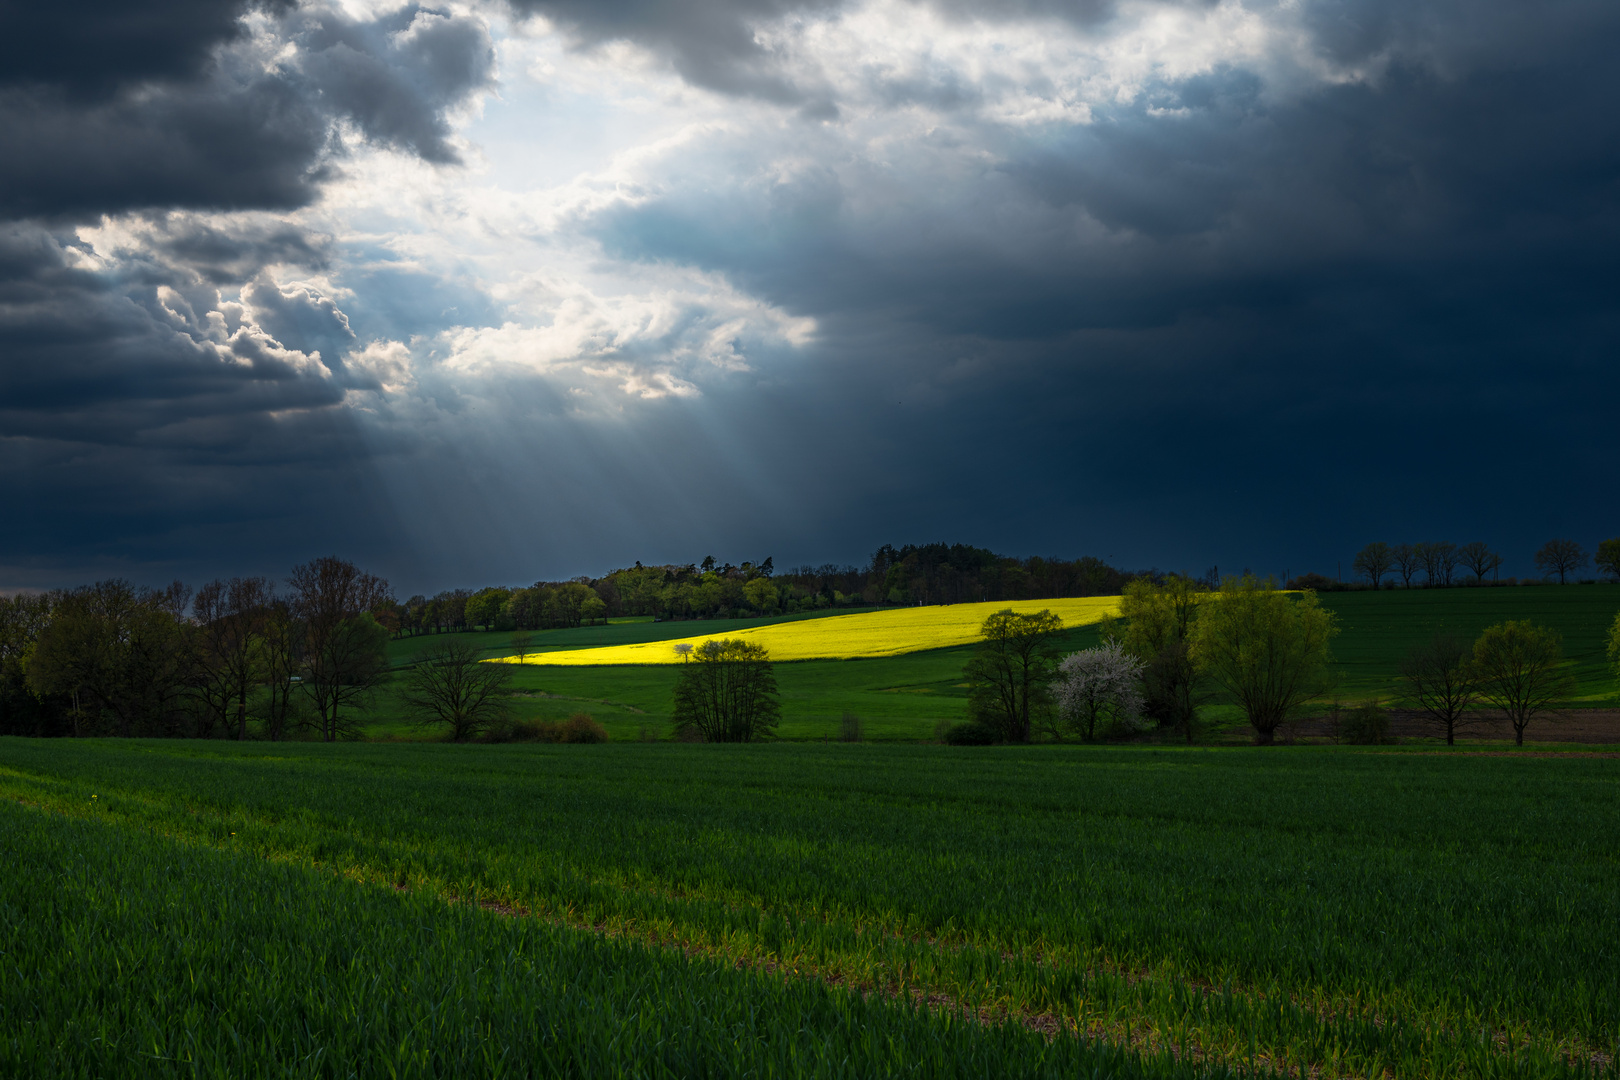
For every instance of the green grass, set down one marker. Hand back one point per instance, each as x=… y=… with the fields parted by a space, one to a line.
x=1349 y=912
x=1377 y=628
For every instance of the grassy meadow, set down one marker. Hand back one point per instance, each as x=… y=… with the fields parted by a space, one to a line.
x=670 y=910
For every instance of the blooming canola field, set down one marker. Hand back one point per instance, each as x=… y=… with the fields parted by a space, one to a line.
x=845 y=637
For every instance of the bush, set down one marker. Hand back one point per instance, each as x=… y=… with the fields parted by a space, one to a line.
x=971 y=733
x=582 y=728
x=849 y=728
x=579 y=728
x=1364 y=725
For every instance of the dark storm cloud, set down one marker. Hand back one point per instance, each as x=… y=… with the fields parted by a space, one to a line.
x=711 y=43
x=205 y=123
x=145 y=414
x=90 y=48
x=1229 y=321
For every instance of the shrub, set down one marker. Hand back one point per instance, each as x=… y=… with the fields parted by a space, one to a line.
x=581 y=728
x=849 y=728
x=1364 y=725
x=971 y=733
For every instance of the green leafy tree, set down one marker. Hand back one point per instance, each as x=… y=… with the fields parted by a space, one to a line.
x=1614 y=645
x=1266 y=648
x=1011 y=673
x=725 y=691
x=1158 y=631
x=450 y=687
x=1520 y=667
x=1441 y=682
x=761 y=594
x=1374 y=561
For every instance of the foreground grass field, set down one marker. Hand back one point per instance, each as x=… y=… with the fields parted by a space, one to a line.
x=675 y=910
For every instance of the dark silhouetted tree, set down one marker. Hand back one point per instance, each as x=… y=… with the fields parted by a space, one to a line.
x=1479 y=559
x=449 y=686
x=1440 y=681
x=725 y=691
x=1374 y=561
x=1561 y=557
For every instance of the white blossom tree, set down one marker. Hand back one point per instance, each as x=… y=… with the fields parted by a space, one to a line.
x=1097 y=689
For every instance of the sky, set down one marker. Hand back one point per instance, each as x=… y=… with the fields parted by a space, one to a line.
x=522 y=290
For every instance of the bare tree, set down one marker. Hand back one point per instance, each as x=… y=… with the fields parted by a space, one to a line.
x=521 y=643
x=450 y=686
x=1520 y=670
x=344 y=649
x=1439 y=559
x=1098 y=689
x=229 y=616
x=1479 y=559
x=1407 y=561
x=1374 y=561
x=1561 y=557
x=1440 y=680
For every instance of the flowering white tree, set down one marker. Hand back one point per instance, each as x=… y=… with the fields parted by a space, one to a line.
x=1098 y=688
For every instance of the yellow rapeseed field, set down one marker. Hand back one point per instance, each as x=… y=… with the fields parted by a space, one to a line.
x=846 y=637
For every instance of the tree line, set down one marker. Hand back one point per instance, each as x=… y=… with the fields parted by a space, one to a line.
x=913 y=574
x=1444 y=564
x=1176 y=643
x=113 y=658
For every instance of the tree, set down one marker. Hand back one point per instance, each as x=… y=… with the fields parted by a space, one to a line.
x=761 y=594
x=484 y=606
x=450 y=686
x=1407 y=560
x=120 y=655
x=229 y=643
x=1158 y=628
x=280 y=644
x=1374 y=561
x=1608 y=557
x=1266 y=648
x=725 y=691
x=344 y=650
x=521 y=643
x=1098 y=690
x=1439 y=559
x=1614 y=644
x=1520 y=670
x=342 y=671
x=1479 y=558
x=1440 y=680
x=1010 y=676
x=1561 y=557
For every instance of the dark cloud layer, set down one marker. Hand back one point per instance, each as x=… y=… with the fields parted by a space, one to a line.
x=1222 y=322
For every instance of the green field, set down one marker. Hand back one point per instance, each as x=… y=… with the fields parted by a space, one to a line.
x=210 y=908
x=1376 y=629
x=905 y=697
